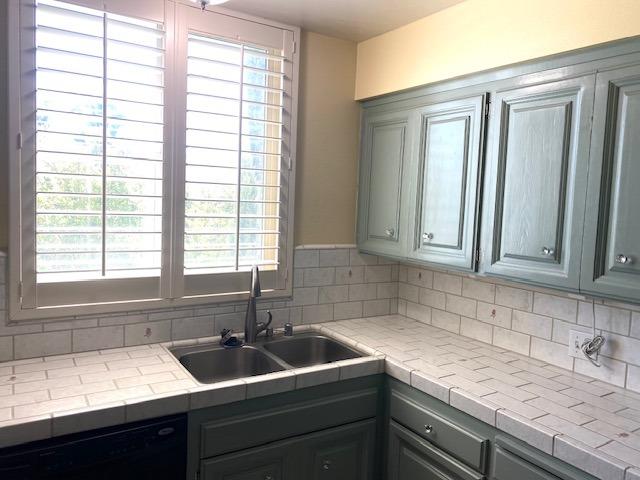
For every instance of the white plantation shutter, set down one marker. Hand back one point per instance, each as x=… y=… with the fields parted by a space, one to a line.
x=98 y=151
x=237 y=136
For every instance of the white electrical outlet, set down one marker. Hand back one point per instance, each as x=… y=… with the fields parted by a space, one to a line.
x=576 y=339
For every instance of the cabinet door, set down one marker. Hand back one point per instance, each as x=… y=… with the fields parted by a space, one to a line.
x=385 y=153
x=412 y=458
x=263 y=463
x=507 y=466
x=536 y=182
x=611 y=254
x=445 y=216
x=344 y=453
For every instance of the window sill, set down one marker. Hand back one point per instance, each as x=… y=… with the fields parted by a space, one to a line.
x=17 y=314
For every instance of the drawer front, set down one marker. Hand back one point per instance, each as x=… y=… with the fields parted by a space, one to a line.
x=246 y=431
x=412 y=458
x=507 y=466
x=451 y=437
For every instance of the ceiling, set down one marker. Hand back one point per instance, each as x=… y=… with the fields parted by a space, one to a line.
x=355 y=20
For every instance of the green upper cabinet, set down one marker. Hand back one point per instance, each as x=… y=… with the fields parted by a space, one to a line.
x=611 y=253
x=443 y=217
x=536 y=182
x=386 y=150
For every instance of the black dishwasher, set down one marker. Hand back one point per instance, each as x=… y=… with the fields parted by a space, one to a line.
x=149 y=450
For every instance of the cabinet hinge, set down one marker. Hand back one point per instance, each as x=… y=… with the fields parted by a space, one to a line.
x=487 y=110
x=478 y=254
x=293 y=47
x=289 y=166
x=20 y=291
x=19 y=141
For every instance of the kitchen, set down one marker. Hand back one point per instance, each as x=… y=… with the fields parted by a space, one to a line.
x=349 y=240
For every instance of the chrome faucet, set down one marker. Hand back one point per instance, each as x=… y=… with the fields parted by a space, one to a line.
x=252 y=327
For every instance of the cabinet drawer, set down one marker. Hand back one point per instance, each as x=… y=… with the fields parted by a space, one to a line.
x=246 y=431
x=507 y=466
x=451 y=437
x=412 y=458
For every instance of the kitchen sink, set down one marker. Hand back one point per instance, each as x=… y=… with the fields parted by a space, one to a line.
x=210 y=363
x=309 y=350
x=216 y=364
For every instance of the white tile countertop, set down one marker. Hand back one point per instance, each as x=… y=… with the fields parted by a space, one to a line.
x=585 y=422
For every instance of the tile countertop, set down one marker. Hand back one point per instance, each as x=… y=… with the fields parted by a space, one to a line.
x=585 y=422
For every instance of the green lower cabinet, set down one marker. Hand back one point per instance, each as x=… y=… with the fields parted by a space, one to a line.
x=507 y=466
x=343 y=453
x=611 y=255
x=413 y=458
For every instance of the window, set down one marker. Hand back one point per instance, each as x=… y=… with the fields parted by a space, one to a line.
x=155 y=160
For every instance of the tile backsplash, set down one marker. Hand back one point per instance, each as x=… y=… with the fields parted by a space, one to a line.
x=330 y=282
x=527 y=320
x=335 y=282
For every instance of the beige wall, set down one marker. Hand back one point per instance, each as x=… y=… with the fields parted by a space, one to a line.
x=328 y=120
x=327 y=142
x=481 y=34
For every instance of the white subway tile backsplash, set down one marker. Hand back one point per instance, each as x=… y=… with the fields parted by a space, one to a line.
x=532 y=324
x=42 y=344
x=478 y=290
x=557 y=307
x=514 y=341
x=447 y=283
x=334 y=258
x=338 y=282
x=460 y=305
x=514 y=298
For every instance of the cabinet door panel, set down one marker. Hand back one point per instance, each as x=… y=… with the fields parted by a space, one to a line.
x=385 y=150
x=611 y=258
x=536 y=182
x=344 y=453
x=447 y=190
x=271 y=462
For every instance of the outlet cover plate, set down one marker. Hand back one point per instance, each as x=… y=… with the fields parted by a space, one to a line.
x=576 y=339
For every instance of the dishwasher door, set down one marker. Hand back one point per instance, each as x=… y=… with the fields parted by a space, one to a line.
x=150 y=450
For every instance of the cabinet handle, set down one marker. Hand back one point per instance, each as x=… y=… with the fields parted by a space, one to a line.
x=390 y=232
x=427 y=236
x=624 y=259
x=268 y=477
x=326 y=464
x=547 y=252
x=428 y=429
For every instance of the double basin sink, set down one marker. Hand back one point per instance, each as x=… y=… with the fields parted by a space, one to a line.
x=210 y=363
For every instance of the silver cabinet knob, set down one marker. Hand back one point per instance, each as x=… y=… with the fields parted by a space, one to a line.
x=326 y=465
x=427 y=236
x=428 y=429
x=624 y=259
x=389 y=232
x=547 y=252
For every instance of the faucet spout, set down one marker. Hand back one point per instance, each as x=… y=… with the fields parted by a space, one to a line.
x=251 y=325
x=255 y=283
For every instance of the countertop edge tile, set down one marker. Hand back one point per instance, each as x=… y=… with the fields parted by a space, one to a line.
x=588 y=459
x=536 y=435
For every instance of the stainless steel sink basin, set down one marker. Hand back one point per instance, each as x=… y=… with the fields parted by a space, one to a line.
x=309 y=350
x=211 y=363
x=216 y=364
